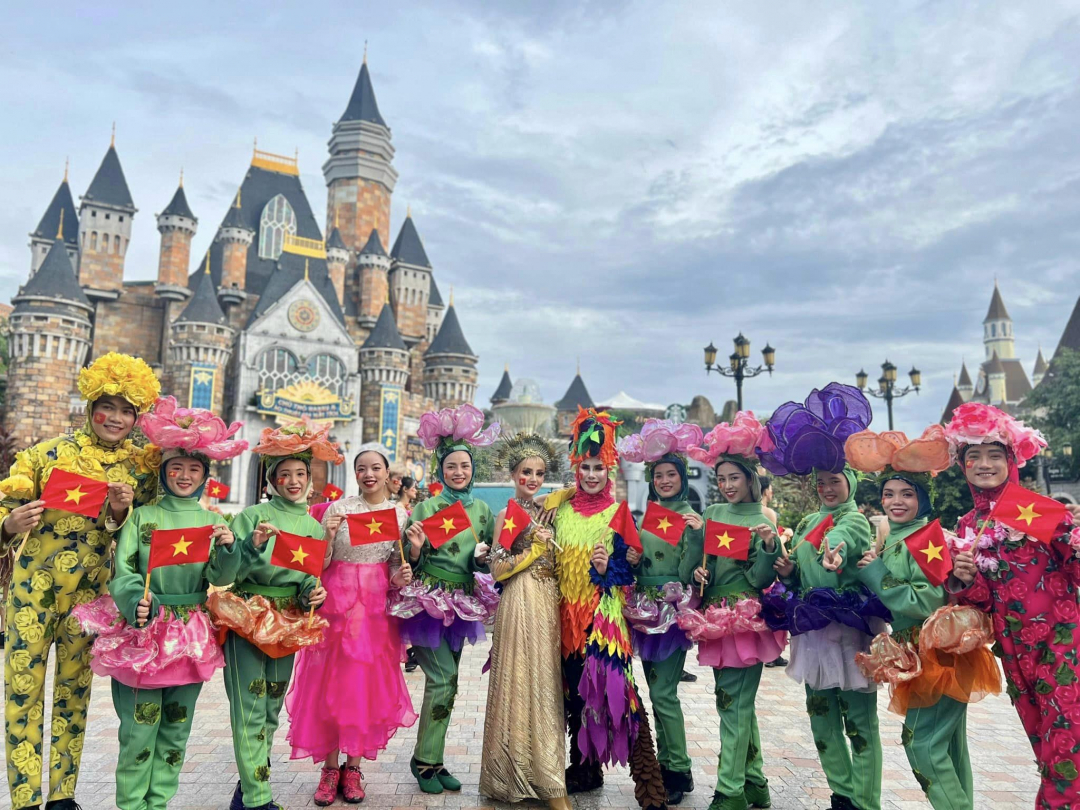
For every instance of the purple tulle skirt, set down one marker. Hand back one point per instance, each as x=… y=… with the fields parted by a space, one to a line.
x=784 y=609
x=166 y=652
x=654 y=624
x=431 y=614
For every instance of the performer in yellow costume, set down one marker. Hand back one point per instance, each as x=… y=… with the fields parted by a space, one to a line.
x=65 y=562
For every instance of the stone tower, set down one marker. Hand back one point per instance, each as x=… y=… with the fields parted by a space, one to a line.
x=370 y=281
x=360 y=179
x=235 y=238
x=410 y=283
x=337 y=260
x=436 y=309
x=200 y=343
x=177 y=226
x=995 y=380
x=105 y=215
x=60 y=216
x=997 y=329
x=449 y=365
x=48 y=344
x=384 y=371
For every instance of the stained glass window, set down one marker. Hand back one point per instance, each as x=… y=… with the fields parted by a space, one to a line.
x=277 y=220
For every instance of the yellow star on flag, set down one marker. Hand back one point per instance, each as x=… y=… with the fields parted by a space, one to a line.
x=664 y=524
x=508 y=523
x=180 y=547
x=299 y=555
x=215 y=491
x=374 y=526
x=75 y=495
x=932 y=552
x=202 y=378
x=725 y=540
x=448 y=525
x=1028 y=513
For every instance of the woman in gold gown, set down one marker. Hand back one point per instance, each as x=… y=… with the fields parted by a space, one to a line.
x=524 y=741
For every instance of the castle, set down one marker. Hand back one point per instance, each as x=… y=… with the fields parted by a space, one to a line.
x=275 y=321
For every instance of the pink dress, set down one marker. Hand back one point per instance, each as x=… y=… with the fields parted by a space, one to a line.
x=349 y=693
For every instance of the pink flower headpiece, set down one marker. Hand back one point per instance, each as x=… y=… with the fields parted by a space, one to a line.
x=461 y=425
x=302 y=438
x=658 y=438
x=743 y=437
x=976 y=423
x=193 y=431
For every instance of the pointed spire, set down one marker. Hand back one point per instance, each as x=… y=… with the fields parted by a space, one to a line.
x=335 y=240
x=203 y=306
x=109 y=185
x=997 y=311
x=385 y=335
x=362 y=105
x=956 y=399
x=502 y=392
x=1070 y=335
x=60 y=230
x=207 y=270
x=181 y=177
x=965 y=378
x=178 y=205
x=577 y=395
x=365 y=51
x=450 y=339
x=1040 y=363
x=112 y=141
x=307 y=273
x=451 y=295
x=995 y=366
x=66 y=161
x=409 y=249
x=62 y=205
x=55 y=278
x=373 y=246
x=434 y=297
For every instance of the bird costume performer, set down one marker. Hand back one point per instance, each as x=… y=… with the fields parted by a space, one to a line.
x=830 y=615
x=731 y=635
x=452 y=595
x=524 y=726
x=154 y=636
x=652 y=607
x=264 y=616
x=936 y=659
x=64 y=562
x=603 y=708
x=1030 y=590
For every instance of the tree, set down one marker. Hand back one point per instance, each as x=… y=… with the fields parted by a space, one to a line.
x=1055 y=403
x=952 y=496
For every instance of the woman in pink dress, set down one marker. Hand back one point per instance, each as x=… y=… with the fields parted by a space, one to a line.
x=349 y=695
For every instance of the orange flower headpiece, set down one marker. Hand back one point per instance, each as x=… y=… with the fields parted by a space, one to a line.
x=302 y=439
x=892 y=452
x=593 y=435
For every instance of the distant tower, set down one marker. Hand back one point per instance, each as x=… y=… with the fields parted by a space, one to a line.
x=997 y=329
x=337 y=259
x=436 y=309
x=995 y=381
x=235 y=238
x=105 y=216
x=177 y=226
x=963 y=384
x=48 y=344
x=369 y=286
x=384 y=371
x=450 y=365
x=577 y=395
x=60 y=210
x=200 y=343
x=360 y=175
x=410 y=283
x=1041 y=367
x=502 y=392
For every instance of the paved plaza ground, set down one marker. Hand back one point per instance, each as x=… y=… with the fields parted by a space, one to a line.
x=1004 y=774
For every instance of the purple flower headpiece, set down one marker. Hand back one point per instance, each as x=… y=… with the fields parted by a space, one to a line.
x=456 y=426
x=658 y=438
x=811 y=436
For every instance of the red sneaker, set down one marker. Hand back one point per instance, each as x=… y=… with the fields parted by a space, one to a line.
x=352 y=787
x=326 y=792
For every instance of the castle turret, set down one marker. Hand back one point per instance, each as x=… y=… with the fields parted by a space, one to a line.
x=369 y=283
x=410 y=283
x=177 y=226
x=105 y=215
x=964 y=384
x=997 y=329
x=59 y=217
x=384 y=371
x=502 y=392
x=450 y=365
x=576 y=396
x=1041 y=367
x=235 y=238
x=995 y=381
x=436 y=309
x=337 y=258
x=200 y=343
x=48 y=344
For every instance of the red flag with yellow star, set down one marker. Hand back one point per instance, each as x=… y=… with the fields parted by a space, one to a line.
x=332 y=493
x=817 y=534
x=216 y=489
x=663 y=523
x=446 y=523
x=623 y=524
x=515 y=521
x=299 y=553
x=931 y=552
x=1029 y=512
x=727 y=540
x=73 y=493
x=179 y=546
x=373 y=527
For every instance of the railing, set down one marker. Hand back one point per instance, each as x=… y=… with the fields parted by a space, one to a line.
x=275 y=163
x=315 y=248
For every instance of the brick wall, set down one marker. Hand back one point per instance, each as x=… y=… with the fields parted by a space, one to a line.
x=131 y=324
x=356 y=206
x=234 y=264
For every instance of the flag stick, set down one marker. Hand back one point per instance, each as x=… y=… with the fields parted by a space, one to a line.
x=311 y=610
x=22 y=543
x=146 y=591
x=401 y=548
x=705 y=565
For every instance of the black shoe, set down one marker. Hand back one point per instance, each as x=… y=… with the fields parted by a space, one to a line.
x=583 y=778
x=410 y=661
x=677 y=784
x=687 y=677
x=62 y=804
x=237 y=802
x=779 y=662
x=839 y=802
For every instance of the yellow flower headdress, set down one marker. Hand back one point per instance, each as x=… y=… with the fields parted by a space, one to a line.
x=120 y=375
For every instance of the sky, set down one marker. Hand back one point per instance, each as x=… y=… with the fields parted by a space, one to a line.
x=618 y=182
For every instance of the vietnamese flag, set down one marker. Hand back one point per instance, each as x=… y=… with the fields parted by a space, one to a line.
x=623 y=524
x=817 y=534
x=373 y=527
x=446 y=523
x=930 y=551
x=515 y=521
x=664 y=523
x=1029 y=512
x=179 y=546
x=216 y=489
x=726 y=540
x=332 y=493
x=68 y=492
x=298 y=553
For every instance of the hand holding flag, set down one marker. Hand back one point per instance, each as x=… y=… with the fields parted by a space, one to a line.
x=68 y=492
x=623 y=524
x=930 y=551
x=447 y=523
x=1029 y=512
x=663 y=523
x=515 y=521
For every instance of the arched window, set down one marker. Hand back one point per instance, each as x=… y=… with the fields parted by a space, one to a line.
x=116 y=245
x=327 y=371
x=993 y=330
x=277 y=367
x=93 y=240
x=277 y=220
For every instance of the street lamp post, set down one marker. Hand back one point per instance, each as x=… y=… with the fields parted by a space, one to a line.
x=738 y=364
x=887 y=389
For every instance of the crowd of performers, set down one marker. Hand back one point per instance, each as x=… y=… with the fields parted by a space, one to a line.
x=143 y=585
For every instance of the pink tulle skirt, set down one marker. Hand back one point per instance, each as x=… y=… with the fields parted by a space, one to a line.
x=732 y=634
x=348 y=693
x=166 y=652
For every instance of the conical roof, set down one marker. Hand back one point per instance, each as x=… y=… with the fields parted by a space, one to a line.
x=55 y=278
x=502 y=393
x=1040 y=363
x=994 y=365
x=109 y=186
x=178 y=206
x=997 y=311
x=450 y=339
x=434 y=296
x=373 y=246
x=385 y=335
x=335 y=240
x=408 y=249
x=203 y=306
x=49 y=226
x=362 y=105
x=965 y=378
x=1070 y=337
x=576 y=395
x=956 y=399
